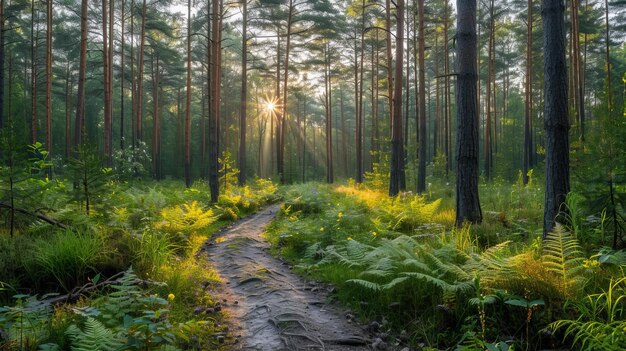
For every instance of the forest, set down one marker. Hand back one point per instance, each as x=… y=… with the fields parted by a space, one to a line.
x=312 y=175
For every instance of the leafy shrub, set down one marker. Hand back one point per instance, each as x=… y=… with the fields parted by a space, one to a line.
x=186 y=219
x=152 y=251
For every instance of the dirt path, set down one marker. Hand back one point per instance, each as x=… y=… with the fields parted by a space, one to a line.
x=270 y=307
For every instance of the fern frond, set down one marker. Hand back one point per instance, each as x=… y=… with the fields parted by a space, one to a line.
x=94 y=337
x=365 y=284
x=562 y=256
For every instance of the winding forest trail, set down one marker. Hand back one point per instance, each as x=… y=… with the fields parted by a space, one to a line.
x=270 y=308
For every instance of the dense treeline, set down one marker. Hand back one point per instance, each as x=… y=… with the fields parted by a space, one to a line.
x=331 y=70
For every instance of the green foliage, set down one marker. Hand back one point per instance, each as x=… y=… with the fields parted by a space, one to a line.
x=93 y=337
x=227 y=172
x=562 y=256
x=130 y=162
x=152 y=250
x=26 y=324
x=68 y=256
x=601 y=323
x=378 y=178
x=90 y=178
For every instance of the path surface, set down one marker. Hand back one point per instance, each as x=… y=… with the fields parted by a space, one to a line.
x=270 y=307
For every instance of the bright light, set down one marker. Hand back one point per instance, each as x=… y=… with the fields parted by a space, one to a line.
x=270 y=105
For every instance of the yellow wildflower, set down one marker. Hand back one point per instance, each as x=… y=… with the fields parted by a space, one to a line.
x=171 y=297
x=340 y=214
x=321 y=229
x=349 y=238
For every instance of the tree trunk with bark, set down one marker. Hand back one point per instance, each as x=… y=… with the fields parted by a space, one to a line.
x=467 y=200
x=556 y=122
x=397 y=152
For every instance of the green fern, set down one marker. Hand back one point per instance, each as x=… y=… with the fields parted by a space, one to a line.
x=94 y=337
x=562 y=256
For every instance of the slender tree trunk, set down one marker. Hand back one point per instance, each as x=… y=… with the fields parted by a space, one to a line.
x=359 y=101
x=133 y=80
x=188 y=101
x=33 y=75
x=283 y=113
x=79 y=127
x=106 y=88
x=215 y=100
x=397 y=152
x=48 y=76
x=344 y=139
x=421 y=173
x=389 y=58
x=122 y=73
x=111 y=53
x=2 y=71
x=305 y=142
x=556 y=123
x=467 y=200
x=244 y=96
x=528 y=94
x=329 y=116
x=140 y=69
x=609 y=90
x=156 y=124
x=488 y=148
x=446 y=89
x=68 y=107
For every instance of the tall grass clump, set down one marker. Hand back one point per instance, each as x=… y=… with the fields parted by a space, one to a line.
x=68 y=256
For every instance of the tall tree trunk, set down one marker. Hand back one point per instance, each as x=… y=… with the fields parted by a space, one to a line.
x=528 y=95
x=107 y=83
x=397 y=152
x=244 y=95
x=215 y=100
x=609 y=92
x=329 y=116
x=122 y=72
x=79 y=124
x=359 y=100
x=488 y=148
x=389 y=58
x=49 y=76
x=283 y=113
x=2 y=57
x=188 y=102
x=140 y=69
x=156 y=124
x=344 y=139
x=133 y=80
x=467 y=200
x=556 y=123
x=421 y=173
x=304 y=122
x=446 y=89
x=33 y=75
x=68 y=107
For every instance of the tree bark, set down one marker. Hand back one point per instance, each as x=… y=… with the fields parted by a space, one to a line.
x=215 y=99
x=79 y=127
x=48 y=76
x=397 y=152
x=2 y=58
x=188 y=102
x=556 y=123
x=244 y=95
x=106 y=87
x=421 y=173
x=467 y=200
x=528 y=95
x=140 y=69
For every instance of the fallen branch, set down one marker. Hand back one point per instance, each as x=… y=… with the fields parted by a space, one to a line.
x=34 y=215
x=78 y=291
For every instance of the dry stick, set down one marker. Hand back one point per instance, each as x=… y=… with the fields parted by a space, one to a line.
x=35 y=215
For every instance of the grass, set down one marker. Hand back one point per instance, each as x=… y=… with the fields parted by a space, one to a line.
x=157 y=228
x=402 y=262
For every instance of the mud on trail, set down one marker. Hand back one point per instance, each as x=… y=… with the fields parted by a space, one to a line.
x=268 y=306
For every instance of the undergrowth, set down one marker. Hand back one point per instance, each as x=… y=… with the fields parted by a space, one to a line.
x=400 y=261
x=153 y=232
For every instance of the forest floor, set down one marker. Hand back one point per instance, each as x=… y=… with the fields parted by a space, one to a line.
x=270 y=307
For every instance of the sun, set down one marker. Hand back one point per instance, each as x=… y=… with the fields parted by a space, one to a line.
x=270 y=104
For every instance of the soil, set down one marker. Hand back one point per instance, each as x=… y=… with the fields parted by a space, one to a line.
x=269 y=307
